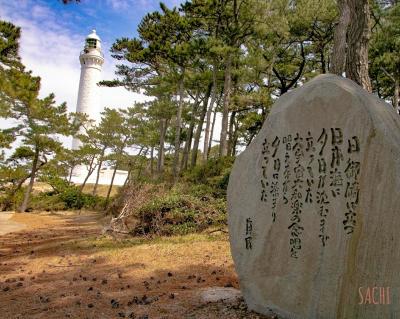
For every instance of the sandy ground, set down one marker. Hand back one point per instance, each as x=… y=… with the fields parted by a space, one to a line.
x=61 y=266
x=7 y=225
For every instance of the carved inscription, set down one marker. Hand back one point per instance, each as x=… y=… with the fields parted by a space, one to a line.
x=249 y=232
x=307 y=173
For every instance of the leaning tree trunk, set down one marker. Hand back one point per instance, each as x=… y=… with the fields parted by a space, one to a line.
x=189 y=137
x=92 y=167
x=338 y=57
x=188 y=144
x=98 y=172
x=209 y=111
x=212 y=131
x=31 y=181
x=161 y=151
x=111 y=185
x=132 y=167
x=175 y=165
x=358 y=36
x=199 y=128
x=223 y=143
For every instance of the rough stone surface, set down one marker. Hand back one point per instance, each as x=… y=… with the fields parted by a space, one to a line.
x=310 y=241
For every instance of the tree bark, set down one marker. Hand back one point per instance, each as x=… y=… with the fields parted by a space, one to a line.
x=396 y=95
x=223 y=143
x=209 y=111
x=338 y=57
x=212 y=131
x=31 y=181
x=92 y=167
x=230 y=132
x=189 y=137
x=161 y=152
x=98 y=172
x=357 y=43
x=111 y=185
x=151 y=161
x=70 y=174
x=175 y=165
x=131 y=168
x=199 y=128
x=188 y=144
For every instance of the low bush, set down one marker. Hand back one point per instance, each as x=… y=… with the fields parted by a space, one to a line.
x=179 y=210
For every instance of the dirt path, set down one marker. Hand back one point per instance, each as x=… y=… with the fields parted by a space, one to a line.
x=62 y=267
x=7 y=225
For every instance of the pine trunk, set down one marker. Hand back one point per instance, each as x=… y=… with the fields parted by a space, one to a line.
x=199 y=128
x=98 y=172
x=161 y=151
x=212 y=131
x=175 y=167
x=230 y=132
x=151 y=161
x=70 y=174
x=223 y=146
x=357 y=43
x=111 y=185
x=338 y=57
x=31 y=181
x=209 y=111
x=396 y=95
x=90 y=171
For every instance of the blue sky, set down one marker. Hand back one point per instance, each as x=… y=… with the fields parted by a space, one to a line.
x=53 y=35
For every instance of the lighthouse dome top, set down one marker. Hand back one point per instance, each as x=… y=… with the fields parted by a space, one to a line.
x=93 y=42
x=93 y=35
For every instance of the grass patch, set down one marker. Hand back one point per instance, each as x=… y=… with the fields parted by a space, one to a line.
x=106 y=243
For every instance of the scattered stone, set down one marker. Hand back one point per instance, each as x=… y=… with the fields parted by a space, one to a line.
x=90 y=305
x=114 y=303
x=216 y=294
x=169 y=274
x=44 y=299
x=6 y=288
x=104 y=282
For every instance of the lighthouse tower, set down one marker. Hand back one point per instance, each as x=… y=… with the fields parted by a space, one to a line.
x=92 y=59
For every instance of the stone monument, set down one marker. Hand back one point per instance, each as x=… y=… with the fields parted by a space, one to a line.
x=314 y=206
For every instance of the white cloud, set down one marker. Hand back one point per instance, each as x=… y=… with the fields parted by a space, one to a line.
x=51 y=51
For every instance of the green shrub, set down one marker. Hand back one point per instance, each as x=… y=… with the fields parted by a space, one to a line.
x=183 y=209
x=47 y=201
x=75 y=199
x=206 y=173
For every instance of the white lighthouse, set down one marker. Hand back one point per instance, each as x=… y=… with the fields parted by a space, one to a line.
x=92 y=60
